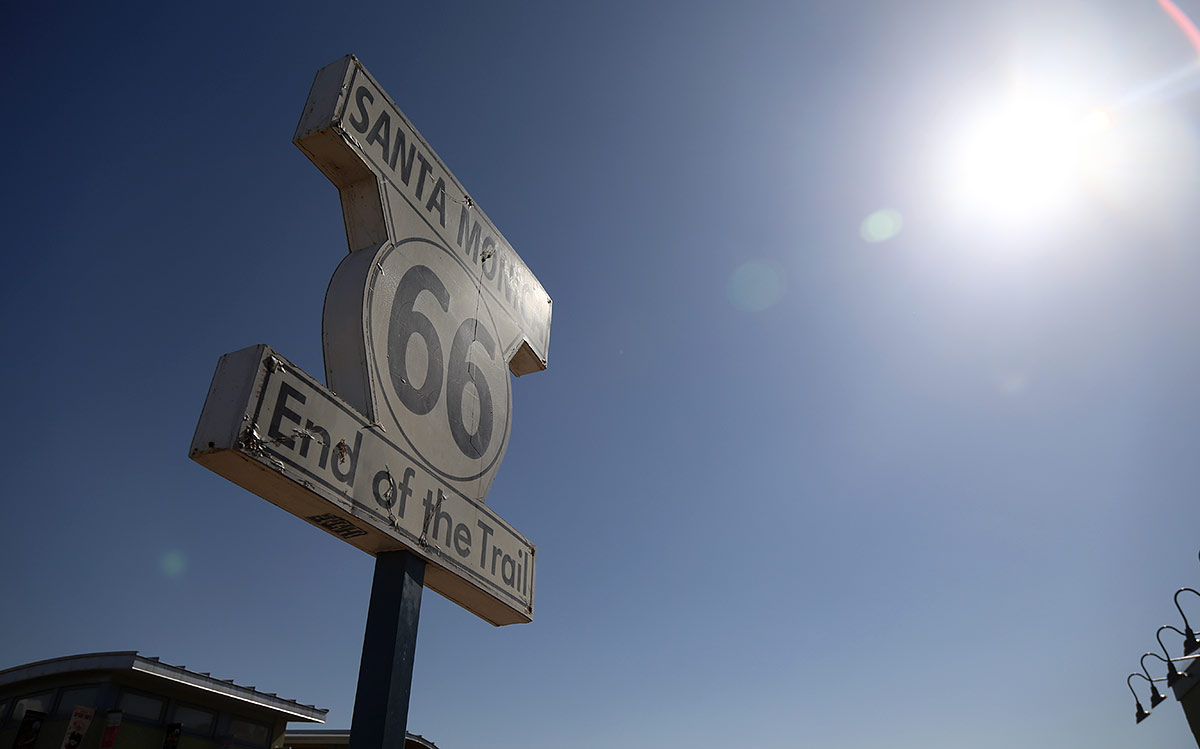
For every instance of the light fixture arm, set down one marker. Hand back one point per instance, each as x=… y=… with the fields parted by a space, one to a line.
x=1142 y=713
x=1156 y=696
x=1172 y=675
x=1180 y=659
x=1127 y=678
x=1190 y=642
x=1142 y=661
x=1158 y=636
x=1177 y=603
x=1180 y=608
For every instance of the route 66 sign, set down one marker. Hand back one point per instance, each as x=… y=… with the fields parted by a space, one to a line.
x=432 y=304
x=423 y=321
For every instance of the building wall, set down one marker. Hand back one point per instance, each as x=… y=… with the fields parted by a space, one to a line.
x=254 y=729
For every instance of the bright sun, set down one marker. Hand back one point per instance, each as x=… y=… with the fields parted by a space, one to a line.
x=1025 y=158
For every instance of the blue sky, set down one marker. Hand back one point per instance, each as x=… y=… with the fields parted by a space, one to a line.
x=789 y=487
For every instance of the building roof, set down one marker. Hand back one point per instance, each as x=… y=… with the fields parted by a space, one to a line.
x=133 y=662
x=326 y=737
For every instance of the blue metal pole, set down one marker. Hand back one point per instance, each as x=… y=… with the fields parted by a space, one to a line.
x=380 y=718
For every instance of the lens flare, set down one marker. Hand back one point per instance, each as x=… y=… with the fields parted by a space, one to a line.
x=1183 y=22
x=755 y=286
x=173 y=563
x=1012 y=382
x=881 y=225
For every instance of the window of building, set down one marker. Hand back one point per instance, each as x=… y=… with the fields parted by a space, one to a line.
x=41 y=702
x=249 y=733
x=194 y=720
x=76 y=696
x=134 y=704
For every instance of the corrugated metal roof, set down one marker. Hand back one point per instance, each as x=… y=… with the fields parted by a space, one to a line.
x=131 y=660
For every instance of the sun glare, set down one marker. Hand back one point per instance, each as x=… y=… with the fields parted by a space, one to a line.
x=1025 y=158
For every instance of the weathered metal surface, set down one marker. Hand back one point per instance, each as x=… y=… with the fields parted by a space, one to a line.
x=274 y=430
x=433 y=307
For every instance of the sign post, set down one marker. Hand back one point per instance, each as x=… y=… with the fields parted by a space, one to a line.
x=389 y=645
x=423 y=321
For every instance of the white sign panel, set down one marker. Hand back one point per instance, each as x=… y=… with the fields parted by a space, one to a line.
x=432 y=307
x=423 y=321
x=274 y=430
